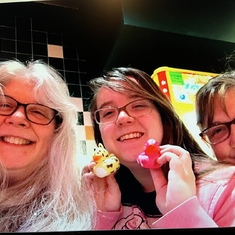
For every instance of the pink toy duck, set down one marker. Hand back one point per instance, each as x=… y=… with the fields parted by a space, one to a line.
x=147 y=159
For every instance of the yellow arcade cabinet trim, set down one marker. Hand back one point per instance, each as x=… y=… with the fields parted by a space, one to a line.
x=180 y=86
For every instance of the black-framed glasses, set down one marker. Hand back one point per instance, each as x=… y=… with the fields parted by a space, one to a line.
x=135 y=108
x=217 y=133
x=36 y=113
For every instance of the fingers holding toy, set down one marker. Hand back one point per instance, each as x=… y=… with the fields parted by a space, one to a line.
x=107 y=193
x=109 y=198
x=99 y=175
x=181 y=179
x=180 y=183
x=154 y=155
x=176 y=156
x=105 y=190
x=87 y=169
x=180 y=163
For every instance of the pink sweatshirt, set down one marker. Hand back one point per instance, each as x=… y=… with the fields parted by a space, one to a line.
x=214 y=206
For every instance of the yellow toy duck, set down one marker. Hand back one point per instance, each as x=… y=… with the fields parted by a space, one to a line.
x=106 y=163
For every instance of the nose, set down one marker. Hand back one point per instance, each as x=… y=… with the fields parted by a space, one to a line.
x=123 y=118
x=18 y=118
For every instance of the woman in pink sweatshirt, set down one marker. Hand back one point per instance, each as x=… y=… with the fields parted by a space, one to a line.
x=188 y=190
x=216 y=115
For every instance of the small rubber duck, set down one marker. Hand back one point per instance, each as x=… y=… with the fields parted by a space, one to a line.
x=106 y=163
x=147 y=159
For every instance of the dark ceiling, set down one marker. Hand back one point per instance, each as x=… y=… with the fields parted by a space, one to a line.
x=200 y=18
x=195 y=35
x=213 y=20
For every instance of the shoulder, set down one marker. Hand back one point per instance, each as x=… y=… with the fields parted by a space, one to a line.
x=216 y=192
x=220 y=181
x=222 y=173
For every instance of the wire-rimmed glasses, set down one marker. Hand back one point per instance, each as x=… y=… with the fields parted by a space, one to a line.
x=217 y=133
x=135 y=108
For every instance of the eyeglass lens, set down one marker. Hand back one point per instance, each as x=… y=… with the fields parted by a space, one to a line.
x=35 y=113
x=134 y=109
x=218 y=133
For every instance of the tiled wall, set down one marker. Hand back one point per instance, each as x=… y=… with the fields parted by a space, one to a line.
x=28 y=37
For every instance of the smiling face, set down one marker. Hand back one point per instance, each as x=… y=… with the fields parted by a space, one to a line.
x=225 y=151
x=126 y=137
x=22 y=144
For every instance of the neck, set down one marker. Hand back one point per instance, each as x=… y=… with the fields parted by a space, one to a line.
x=145 y=179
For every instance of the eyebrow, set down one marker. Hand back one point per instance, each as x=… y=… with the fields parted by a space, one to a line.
x=110 y=103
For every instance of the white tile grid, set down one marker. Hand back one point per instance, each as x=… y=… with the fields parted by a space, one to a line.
x=86 y=146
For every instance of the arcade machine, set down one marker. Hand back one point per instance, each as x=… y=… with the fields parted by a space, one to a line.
x=180 y=86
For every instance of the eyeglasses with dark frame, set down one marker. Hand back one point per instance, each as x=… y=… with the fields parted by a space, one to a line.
x=35 y=113
x=217 y=133
x=136 y=108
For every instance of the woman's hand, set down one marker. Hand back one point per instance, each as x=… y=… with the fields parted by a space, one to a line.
x=105 y=190
x=180 y=185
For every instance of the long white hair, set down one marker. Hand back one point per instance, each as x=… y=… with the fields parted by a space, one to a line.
x=52 y=197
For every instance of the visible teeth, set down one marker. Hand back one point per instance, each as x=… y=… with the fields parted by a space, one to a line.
x=16 y=140
x=130 y=136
